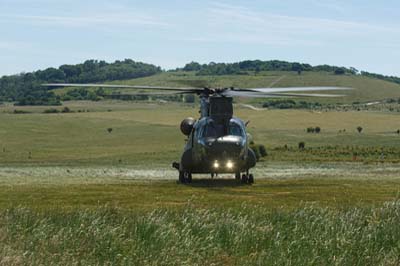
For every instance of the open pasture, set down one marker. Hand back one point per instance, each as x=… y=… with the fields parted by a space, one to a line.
x=71 y=192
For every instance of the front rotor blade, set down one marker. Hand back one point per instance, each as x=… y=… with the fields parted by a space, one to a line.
x=194 y=90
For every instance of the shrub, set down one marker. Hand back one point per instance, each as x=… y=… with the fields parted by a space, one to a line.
x=310 y=130
x=189 y=98
x=302 y=145
x=109 y=130
x=51 y=111
x=65 y=110
x=263 y=150
x=21 y=112
x=317 y=130
x=359 y=129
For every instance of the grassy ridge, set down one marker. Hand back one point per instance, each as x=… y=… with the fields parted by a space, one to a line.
x=248 y=235
x=366 y=89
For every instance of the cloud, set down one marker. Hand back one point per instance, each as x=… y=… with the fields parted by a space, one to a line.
x=14 y=46
x=242 y=24
x=90 y=20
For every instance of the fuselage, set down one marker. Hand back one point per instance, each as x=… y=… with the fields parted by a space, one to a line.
x=217 y=147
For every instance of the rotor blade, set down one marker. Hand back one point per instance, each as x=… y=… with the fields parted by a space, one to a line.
x=144 y=94
x=306 y=95
x=194 y=90
x=292 y=89
x=254 y=94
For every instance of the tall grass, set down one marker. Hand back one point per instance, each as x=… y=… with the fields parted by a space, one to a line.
x=249 y=235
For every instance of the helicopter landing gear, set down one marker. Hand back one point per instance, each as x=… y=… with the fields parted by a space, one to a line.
x=250 y=179
x=237 y=175
x=247 y=178
x=185 y=177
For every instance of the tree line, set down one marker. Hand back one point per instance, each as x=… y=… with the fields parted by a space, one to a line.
x=26 y=89
x=257 y=65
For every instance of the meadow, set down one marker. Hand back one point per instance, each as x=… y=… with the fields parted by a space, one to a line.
x=73 y=193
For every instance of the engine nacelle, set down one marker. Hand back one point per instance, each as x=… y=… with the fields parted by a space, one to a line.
x=187 y=125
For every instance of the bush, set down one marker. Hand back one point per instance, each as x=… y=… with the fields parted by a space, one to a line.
x=109 y=130
x=359 y=129
x=51 y=111
x=302 y=145
x=66 y=110
x=21 y=112
x=190 y=98
x=310 y=130
x=317 y=130
x=263 y=150
x=340 y=71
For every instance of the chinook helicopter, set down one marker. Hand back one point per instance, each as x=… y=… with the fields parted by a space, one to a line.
x=217 y=143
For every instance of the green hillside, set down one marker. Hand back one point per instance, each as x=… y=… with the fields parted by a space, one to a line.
x=26 y=89
x=366 y=89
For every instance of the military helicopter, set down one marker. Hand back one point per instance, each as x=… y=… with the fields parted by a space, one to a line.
x=217 y=143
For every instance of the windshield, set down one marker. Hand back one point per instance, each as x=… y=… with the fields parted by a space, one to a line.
x=235 y=130
x=215 y=131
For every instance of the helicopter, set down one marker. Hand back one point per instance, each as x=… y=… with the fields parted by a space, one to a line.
x=217 y=142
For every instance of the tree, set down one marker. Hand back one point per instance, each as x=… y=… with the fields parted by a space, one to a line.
x=317 y=130
x=359 y=129
x=109 y=130
x=189 y=98
x=340 y=71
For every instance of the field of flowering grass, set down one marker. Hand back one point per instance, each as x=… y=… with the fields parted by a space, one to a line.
x=73 y=193
x=248 y=235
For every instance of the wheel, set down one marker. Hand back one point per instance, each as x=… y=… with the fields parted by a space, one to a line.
x=244 y=178
x=251 y=179
x=237 y=175
x=185 y=177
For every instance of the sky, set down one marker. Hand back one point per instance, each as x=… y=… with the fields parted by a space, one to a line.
x=36 y=34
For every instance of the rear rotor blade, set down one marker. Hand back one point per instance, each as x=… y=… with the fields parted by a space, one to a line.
x=299 y=89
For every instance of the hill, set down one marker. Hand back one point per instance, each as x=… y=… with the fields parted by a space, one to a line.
x=25 y=89
x=366 y=89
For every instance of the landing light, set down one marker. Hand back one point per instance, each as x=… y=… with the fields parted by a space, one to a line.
x=229 y=164
x=216 y=164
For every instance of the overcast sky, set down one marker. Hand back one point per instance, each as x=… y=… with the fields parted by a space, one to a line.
x=48 y=33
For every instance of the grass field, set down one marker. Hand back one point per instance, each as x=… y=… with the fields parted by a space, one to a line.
x=71 y=193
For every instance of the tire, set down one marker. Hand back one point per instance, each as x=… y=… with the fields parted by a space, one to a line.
x=244 y=179
x=181 y=177
x=189 y=178
x=251 y=179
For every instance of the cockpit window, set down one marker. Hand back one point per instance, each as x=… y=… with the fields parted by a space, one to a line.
x=235 y=130
x=213 y=131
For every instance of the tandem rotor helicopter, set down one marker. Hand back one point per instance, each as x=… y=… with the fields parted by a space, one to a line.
x=217 y=143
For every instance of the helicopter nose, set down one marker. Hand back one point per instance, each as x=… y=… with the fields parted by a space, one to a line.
x=228 y=145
